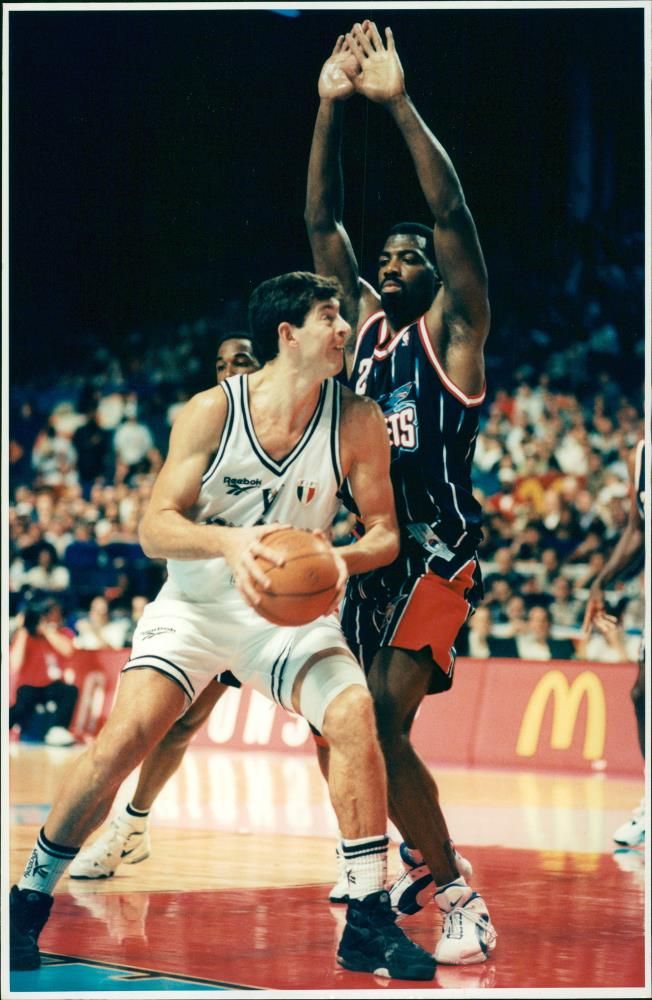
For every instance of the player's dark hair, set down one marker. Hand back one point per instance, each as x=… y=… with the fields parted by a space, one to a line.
x=287 y=298
x=418 y=229
x=232 y=335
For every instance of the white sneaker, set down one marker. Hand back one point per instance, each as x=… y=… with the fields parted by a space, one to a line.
x=117 y=844
x=340 y=891
x=468 y=936
x=58 y=736
x=632 y=833
x=629 y=859
x=413 y=888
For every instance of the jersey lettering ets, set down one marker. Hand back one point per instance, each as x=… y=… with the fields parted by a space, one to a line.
x=432 y=427
x=244 y=486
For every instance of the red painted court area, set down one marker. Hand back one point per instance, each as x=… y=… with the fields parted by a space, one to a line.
x=564 y=921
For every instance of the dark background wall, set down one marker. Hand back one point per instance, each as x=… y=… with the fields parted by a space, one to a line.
x=158 y=159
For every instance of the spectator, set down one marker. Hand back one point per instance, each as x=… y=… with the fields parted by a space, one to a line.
x=496 y=600
x=536 y=642
x=93 y=446
x=479 y=640
x=565 y=610
x=138 y=603
x=97 y=630
x=504 y=570
x=54 y=459
x=516 y=615
x=46 y=575
x=134 y=449
x=24 y=427
x=40 y=647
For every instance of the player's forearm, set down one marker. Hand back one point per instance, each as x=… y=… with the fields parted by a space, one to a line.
x=325 y=189
x=168 y=534
x=379 y=546
x=628 y=546
x=437 y=177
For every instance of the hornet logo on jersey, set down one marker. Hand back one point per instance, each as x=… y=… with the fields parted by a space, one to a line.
x=306 y=490
x=401 y=418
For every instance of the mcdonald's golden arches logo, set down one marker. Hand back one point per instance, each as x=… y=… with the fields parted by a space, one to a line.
x=567 y=698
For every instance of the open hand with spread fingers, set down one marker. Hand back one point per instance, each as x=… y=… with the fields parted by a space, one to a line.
x=380 y=76
x=338 y=72
x=241 y=548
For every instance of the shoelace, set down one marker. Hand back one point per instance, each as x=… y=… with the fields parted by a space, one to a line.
x=480 y=919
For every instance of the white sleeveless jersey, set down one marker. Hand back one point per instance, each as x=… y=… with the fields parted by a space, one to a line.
x=243 y=486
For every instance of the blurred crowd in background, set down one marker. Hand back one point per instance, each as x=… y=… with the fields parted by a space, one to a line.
x=565 y=366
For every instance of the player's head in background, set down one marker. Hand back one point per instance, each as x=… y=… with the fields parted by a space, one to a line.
x=408 y=277
x=303 y=310
x=235 y=355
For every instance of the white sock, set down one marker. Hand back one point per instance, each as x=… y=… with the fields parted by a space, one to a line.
x=47 y=863
x=365 y=861
x=137 y=818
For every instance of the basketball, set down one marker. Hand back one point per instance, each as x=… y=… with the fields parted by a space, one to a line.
x=304 y=587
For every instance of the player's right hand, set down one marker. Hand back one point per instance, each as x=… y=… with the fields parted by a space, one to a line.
x=242 y=548
x=338 y=72
x=594 y=609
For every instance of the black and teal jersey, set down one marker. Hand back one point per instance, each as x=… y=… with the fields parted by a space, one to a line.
x=432 y=426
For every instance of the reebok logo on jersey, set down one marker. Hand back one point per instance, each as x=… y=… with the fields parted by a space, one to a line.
x=306 y=490
x=151 y=632
x=237 y=486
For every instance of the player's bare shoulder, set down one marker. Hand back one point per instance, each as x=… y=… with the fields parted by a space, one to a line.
x=201 y=420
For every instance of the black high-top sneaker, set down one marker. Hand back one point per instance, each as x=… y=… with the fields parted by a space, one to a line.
x=372 y=942
x=28 y=914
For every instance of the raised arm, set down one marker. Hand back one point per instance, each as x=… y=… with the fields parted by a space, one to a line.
x=366 y=457
x=627 y=548
x=331 y=247
x=462 y=304
x=166 y=531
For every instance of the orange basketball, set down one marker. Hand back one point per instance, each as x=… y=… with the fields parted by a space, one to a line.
x=304 y=587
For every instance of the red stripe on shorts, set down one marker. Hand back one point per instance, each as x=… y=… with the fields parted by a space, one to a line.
x=434 y=614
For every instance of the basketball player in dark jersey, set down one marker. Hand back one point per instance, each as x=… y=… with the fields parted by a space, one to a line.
x=628 y=550
x=418 y=351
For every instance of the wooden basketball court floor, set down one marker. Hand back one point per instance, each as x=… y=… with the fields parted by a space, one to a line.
x=234 y=895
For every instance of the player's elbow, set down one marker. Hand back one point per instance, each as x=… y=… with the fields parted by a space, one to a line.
x=147 y=538
x=318 y=222
x=392 y=546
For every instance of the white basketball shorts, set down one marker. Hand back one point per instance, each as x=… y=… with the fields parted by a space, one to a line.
x=193 y=642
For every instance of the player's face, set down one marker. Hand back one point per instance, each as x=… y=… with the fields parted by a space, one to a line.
x=322 y=337
x=406 y=278
x=235 y=357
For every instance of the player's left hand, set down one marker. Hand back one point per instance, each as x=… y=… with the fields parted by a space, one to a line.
x=343 y=576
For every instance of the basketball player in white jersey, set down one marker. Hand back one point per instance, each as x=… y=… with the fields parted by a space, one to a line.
x=629 y=550
x=240 y=456
x=126 y=839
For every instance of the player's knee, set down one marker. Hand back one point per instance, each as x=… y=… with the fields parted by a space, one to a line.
x=111 y=760
x=391 y=718
x=181 y=733
x=351 y=711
